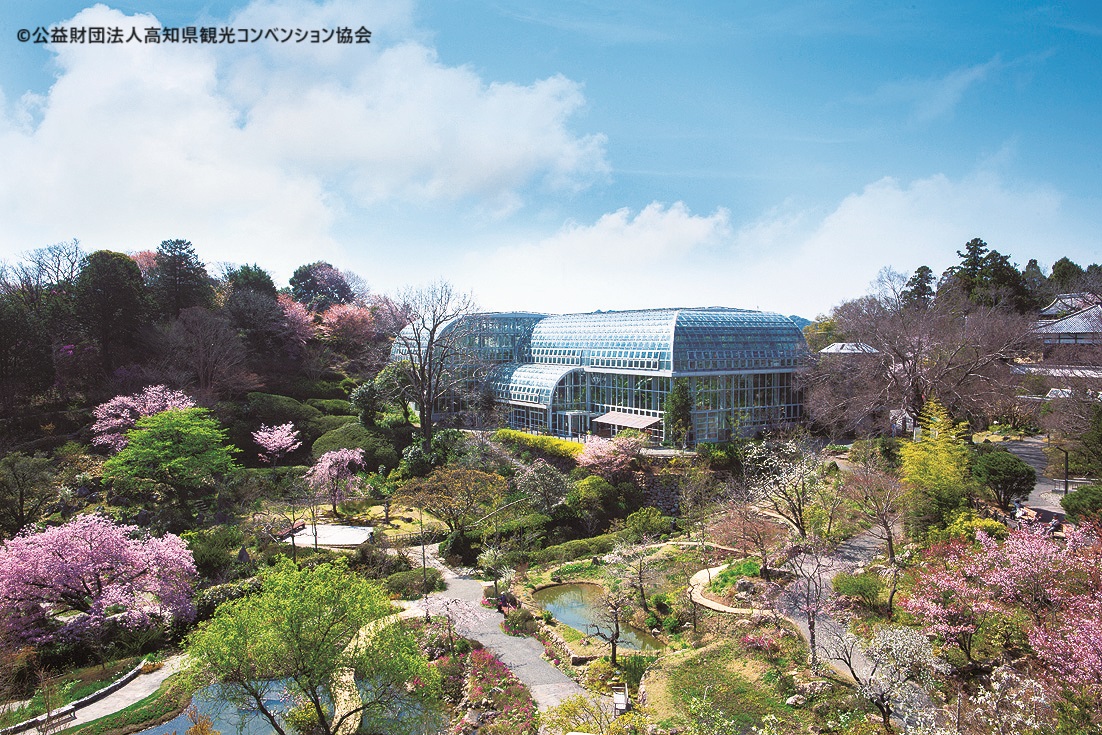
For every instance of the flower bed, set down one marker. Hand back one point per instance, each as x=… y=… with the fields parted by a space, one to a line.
x=494 y=688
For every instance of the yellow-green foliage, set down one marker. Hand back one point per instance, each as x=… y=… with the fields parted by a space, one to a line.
x=940 y=458
x=964 y=525
x=546 y=444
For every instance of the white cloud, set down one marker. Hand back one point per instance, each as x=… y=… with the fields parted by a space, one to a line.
x=935 y=97
x=789 y=261
x=257 y=151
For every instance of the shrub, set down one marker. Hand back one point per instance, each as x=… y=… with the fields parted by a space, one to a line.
x=490 y=679
x=549 y=445
x=729 y=577
x=763 y=642
x=273 y=410
x=409 y=585
x=963 y=526
x=632 y=669
x=1084 y=504
x=207 y=600
x=519 y=621
x=596 y=546
x=374 y=562
x=865 y=587
x=331 y=406
x=377 y=450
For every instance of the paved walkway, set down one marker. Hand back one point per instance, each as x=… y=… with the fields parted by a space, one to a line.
x=135 y=690
x=461 y=601
x=1048 y=490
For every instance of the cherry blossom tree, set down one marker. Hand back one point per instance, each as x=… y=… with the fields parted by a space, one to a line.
x=298 y=322
x=276 y=441
x=610 y=458
x=949 y=597
x=336 y=474
x=117 y=416
x=94 y=566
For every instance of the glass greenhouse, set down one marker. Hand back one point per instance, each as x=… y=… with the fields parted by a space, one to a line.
x=575 y=374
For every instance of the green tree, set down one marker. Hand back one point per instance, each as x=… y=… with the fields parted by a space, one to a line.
x=311 y=630
x=679 y=407
x=111 y=302
x=26 y=365
x=1066 y=275
x=252 y=278
x=179 y=279
x=182 y=449
x=456 y=496
x=920 y=287
x=26 y=488
x=1084 y=505
x=1008 y=477
x=937 y=469
x=319 y=285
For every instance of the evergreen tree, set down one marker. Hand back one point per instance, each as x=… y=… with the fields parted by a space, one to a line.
x=1066 y=275
x=178 y=279
x=920 y=287
x=319 y=285
x=937 y=468
x=679 y=406
x=111 y=302
x=252 y=278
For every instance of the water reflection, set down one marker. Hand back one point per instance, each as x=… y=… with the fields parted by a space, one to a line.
x=577 y=605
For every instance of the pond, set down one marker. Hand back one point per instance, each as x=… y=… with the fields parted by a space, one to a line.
x=576 y=605
x=406 y=718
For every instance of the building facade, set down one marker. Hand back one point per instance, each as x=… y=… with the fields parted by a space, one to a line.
x=575 y=374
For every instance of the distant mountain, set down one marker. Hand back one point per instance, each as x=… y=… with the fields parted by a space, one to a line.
x=799 y=321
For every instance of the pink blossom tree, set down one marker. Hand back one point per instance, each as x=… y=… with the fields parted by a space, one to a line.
x=951 y=598
x=335 y=474
x=276 y=441
x=96 y=567
x=610 y=458
x=119 y=415
x=298 y=321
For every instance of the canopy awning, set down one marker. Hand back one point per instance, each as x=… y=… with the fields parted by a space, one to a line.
x=628 y=420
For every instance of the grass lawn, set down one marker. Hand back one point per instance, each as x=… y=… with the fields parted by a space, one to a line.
x=402 y=519
x=742 y=685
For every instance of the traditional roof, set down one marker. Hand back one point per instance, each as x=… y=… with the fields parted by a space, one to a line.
x=1070 y=302
x=1087 y=321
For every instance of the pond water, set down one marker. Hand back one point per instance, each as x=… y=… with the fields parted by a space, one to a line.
x=405 y=718
x=576 y=605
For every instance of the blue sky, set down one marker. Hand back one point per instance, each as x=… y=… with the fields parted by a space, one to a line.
x=567 y=156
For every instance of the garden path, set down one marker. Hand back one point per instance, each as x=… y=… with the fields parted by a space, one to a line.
x=462 y=602
x=133 y=691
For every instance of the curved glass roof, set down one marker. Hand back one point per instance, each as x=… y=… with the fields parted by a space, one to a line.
x=490 y=336
x=709 y=339
x=526 y=382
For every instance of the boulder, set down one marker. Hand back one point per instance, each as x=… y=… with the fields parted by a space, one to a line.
x=796 y=700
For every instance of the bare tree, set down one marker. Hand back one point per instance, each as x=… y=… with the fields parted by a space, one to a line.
x=879 y=496
x=951 y=348
x=632 y=561
x=432 y=348
x=611 y=612
x=812 y=565
x=205 y=350
x=744 y=527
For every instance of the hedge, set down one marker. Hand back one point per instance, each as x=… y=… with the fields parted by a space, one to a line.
x=332 y=406
x=549 y=445
x=409 y=585
x=377 y=450
x=596 y=546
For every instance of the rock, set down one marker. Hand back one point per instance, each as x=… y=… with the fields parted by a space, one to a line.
x=744 y=585
x=796 y=700
x=743 y=596
x=813 y=688
x=473 y=717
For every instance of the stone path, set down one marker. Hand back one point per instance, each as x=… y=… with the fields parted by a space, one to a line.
x=523 y=656
x=1048 y=491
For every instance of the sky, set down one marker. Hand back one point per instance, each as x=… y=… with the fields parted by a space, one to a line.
x=564 y=155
